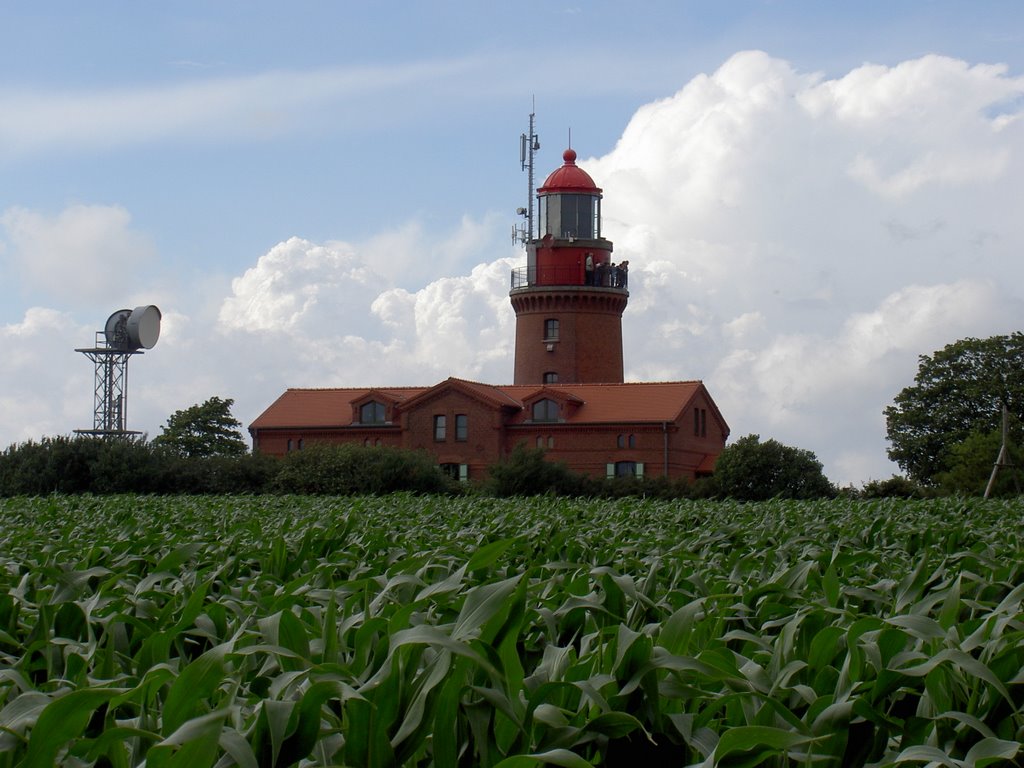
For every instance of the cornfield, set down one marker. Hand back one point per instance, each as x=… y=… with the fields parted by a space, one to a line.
x=422 y=631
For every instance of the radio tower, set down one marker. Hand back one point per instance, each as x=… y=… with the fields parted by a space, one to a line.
x=126 y=333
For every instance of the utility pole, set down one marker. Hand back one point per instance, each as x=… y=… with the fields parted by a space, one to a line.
x=1003 y=459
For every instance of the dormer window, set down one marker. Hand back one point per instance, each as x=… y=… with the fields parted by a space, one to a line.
x=545 y=410
x=372 y=412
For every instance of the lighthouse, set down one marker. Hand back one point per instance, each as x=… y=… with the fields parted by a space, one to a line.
x=568 y=397
x=570 y=296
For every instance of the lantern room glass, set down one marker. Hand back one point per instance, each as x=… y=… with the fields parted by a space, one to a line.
x=566 y=215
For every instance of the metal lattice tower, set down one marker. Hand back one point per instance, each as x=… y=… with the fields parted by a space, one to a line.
x=126 y=333
x=110 y=388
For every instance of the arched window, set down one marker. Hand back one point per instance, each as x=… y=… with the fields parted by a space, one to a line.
x=372 y=413
x=550 y=377
x=545 y=410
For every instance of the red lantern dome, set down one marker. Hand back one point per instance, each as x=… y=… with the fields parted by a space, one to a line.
x=569 y=178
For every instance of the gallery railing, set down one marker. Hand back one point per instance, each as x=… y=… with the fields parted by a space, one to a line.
x=603 y=277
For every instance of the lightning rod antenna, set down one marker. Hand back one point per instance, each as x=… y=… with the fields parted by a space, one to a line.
x=529 y=143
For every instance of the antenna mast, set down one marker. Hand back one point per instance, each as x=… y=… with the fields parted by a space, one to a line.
x=529 y=143
x=126 y=333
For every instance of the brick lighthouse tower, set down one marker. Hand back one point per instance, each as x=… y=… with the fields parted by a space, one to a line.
x=569 y=298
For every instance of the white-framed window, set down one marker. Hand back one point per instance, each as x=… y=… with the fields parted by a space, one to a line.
x=624 y=469
x=458 y=472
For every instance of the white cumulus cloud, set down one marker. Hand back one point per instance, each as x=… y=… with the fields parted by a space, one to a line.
x=794 y=241
x=84 y=254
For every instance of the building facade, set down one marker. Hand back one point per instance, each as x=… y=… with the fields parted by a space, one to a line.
x=568 y=395
x=603 y=430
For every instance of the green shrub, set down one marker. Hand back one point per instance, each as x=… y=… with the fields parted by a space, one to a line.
x=85 y=464
x=527 y=473
x=750 y=470
x=80 y=464
x=347 y=468
x=896 y=487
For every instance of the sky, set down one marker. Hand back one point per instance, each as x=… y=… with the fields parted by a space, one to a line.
x=810 y=195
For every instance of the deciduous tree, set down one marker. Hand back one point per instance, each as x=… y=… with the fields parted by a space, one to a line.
x=751 y=470
x=203 y=430
x=958 y=391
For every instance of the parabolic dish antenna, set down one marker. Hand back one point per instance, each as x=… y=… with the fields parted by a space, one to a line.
x=144 y=327
x=133 y=329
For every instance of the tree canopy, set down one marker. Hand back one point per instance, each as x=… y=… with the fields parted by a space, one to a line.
x=959 y=391
x=204 y=430
x=753 y=471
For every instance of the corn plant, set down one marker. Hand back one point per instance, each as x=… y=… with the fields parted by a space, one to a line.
x=424 y=631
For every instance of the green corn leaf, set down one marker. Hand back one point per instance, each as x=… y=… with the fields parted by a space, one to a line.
x=416 y=713
x=112 y=740
x=303 y=739
x=830 y=585
x=921 y=627
x=758 y=739
x=489 y=554
x=446 y=744
x=951 y=605
x=825 y=646
x=62 y=720
x=366 y=742
x=194 y=744
x=562 y=757
x=960 y=660
x=235 y=745
x=275 y=715
x=482 y=602
x=969 y=720
x=23 y=712
x=615 y=725
x=921 y=753
x=991 y=750
x=177 y=557
x=193 y=686
x=286 y=630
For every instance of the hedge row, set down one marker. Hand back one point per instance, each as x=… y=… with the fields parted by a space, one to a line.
x=90 y=465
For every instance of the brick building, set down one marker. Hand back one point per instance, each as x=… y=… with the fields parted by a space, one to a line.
x=568 y=395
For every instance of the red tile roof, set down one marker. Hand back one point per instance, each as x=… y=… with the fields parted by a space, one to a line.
x=610 y=403
x=322 y=407
x=600 y=403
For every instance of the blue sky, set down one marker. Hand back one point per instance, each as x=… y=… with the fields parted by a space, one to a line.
x=811 y=195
